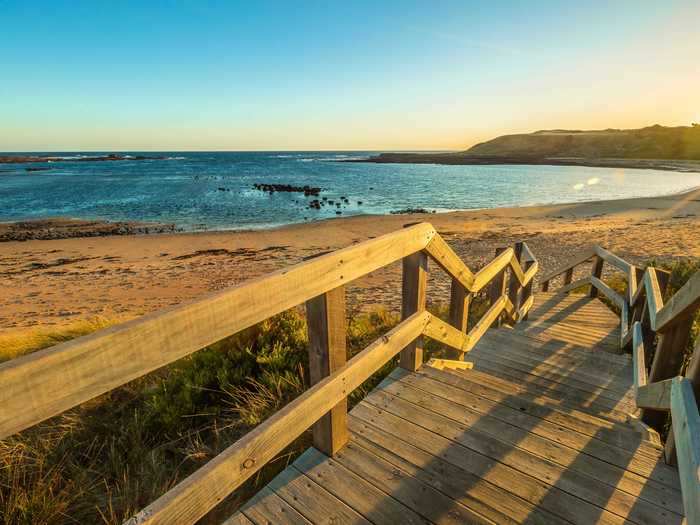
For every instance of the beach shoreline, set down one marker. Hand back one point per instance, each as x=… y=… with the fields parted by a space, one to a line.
x=57 y=281
x=53 y=228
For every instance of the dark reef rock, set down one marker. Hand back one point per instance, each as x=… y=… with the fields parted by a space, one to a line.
x=308 y=191
x=60 y=228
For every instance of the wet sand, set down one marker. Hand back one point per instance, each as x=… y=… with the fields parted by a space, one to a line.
x=53 y=282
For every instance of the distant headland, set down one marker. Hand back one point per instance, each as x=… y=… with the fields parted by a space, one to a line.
x=654 y=147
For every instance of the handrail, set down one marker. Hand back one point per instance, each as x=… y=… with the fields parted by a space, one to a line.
x=661 y=390
x=43 y=384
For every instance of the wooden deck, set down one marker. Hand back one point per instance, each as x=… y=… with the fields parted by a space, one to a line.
x=539 y=431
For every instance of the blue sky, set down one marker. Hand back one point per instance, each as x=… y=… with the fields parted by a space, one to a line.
x=337 y=75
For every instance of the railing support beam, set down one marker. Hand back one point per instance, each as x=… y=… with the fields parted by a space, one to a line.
x=327 y=353
x=596 y=271
x=413 y=290
x=667 y=363
x=514 y=284
x=459 y=311
x=498 y=285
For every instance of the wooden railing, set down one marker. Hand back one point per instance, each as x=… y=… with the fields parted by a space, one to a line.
x=41 y=385
x=650 y=324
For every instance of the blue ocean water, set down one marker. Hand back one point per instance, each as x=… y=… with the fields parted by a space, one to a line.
x=206 y=190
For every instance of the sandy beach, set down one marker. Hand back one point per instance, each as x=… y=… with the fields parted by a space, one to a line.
x=54 y=282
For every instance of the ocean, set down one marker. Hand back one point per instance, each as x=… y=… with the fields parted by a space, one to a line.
x=215 y=191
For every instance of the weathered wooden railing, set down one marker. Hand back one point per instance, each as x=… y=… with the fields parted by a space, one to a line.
x=664 y=328
x=41 y=385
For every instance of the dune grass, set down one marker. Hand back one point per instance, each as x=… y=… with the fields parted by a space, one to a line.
x=23 y=341
x=110 y=457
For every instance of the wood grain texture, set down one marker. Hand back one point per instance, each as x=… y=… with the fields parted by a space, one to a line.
x=325 y=318
x=596 y=273
x=193 y=497
x=686 y=429
x=413 y=297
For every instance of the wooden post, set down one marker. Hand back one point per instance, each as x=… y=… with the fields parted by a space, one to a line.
x=527 y=290
x=498 y=286
x=667 y=363
x=326 y=324
x=596 y=272
x=514 y=284
x=415 y=280
x=693 y=375
x=568 y=276
x=636 y=313
x=459 y=311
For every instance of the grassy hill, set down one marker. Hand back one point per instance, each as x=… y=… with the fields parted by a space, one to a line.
x=653 y=142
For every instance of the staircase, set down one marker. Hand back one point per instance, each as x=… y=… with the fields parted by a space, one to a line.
x=540 y=430
x=545 y=419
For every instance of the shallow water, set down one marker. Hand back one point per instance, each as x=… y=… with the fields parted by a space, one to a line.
x=215 y=190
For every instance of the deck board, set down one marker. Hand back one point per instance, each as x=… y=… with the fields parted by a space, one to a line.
x=537 y=432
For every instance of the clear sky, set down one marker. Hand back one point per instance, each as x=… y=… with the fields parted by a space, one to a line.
x=351 y=74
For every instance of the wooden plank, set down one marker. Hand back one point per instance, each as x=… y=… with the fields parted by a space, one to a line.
x=514 y=285
x=667 y=363
x=459 y=311
x=238 y=519
x=596 y=272
x=312 y=501
x=45 y=383
x=266 y=507
x=607 y=291
x=563 y=393
x=621 y=470
x=639 y=364
x=353 y=490
x=459 y=306
x=446 y=334
x=686 y=429
x=485 y=322
x=413 y=296
x=655 y=396
x=613 y=259
x=580 y=258
x=692 y=373
x=489 y=272
x=587 y=488
x=423 y=499
x=449 y=261
x=193 y=497
x=325 y=317
x=625 y=449
x=551 y=381
x=460 y=484
x=527 y=298
x=484 y=457
x=683 y=303
x=653 y=294
x=579 y=376
x=574 y=285
x=568 y=276
x=547 y=409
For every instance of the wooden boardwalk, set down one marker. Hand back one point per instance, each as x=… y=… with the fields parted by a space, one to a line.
x=541 y=430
